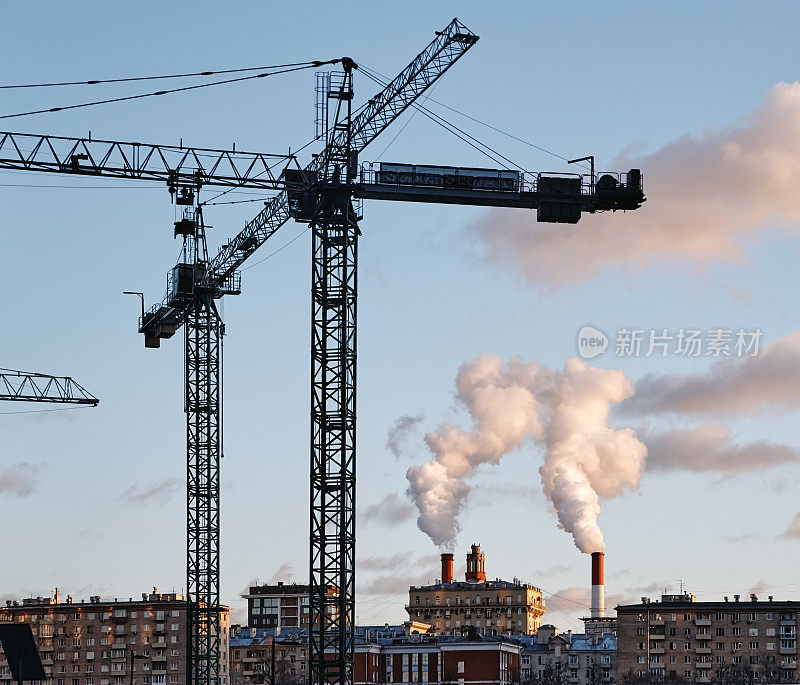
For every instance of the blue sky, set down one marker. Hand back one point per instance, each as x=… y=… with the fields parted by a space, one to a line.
x=574 y=78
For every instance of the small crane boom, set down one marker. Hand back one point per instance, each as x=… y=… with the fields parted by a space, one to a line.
x=22 y=386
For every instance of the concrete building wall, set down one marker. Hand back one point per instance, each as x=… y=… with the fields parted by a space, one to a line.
x=697 y=641
x=90 y=643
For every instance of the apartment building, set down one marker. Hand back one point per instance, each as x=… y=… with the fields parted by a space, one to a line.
x=488 y=607
x=257 y=653
x=94 y=642
x=279 y=606
x=701 y=642
x=573 y=658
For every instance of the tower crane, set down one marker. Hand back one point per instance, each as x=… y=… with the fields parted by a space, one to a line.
x=23 y=386
x=326 y=194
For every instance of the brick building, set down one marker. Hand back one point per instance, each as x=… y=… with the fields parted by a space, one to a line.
x=725 y=641
x=488 y=606
x=450 y=660
x=92 y=643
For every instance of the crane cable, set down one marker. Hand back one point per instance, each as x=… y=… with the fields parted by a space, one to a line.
x=452 y=128
x=483 y=123
x=93 y=82
x=165 y=92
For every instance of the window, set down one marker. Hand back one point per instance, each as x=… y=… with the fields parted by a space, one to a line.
x=640 y=631
x=770 y=632
x=687 y=632
x=640 y=645
x=687 y=645
x=673 y=632
x=753 y=659
x=736 y=646
x=641 y=659
x=460 y=666
x=687 y=675
x=753 y=632
x=573 y=658
x=720 y=645
x=687 y=660
x=737 y=660
x=720 y=632
x=770 y=646
x=751 y=617
x=754 y=645
x=736 y=632
x=687 y=617
x=672 y=617
x=720 y=617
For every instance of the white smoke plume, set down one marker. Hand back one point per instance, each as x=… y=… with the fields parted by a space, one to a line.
x=510 y=404
x=707 y=195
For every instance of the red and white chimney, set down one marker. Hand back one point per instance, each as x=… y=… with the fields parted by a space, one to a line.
x=598 y=586
x=447 y=568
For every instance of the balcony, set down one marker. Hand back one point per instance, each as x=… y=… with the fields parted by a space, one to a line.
x=656 y=621
x=703 y=678
x=702 y=650
x=702 y=621
x=576 y=665
x=657 y=650
x=788 y=664
x=788 y=650
x=703 y=636
x=704 y=665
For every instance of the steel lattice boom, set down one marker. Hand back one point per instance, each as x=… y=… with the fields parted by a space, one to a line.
x=21 y=386
x=172 y=164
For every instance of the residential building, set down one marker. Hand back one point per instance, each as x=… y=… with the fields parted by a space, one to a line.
x=581 y=658
x=725 y=641
x=93 y=643
x=279 y=606
x=257 y=653
x=490 y=607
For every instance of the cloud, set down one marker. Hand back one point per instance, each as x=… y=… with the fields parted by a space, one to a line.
x=708 y=448
x=18 y=480
x=397 y=560
x=793 y=529
x=740 y=538
x=390 y=511
x=736 y=386
x=708 y=194
x=397 y=434
x=555 y=570
x=161 y=491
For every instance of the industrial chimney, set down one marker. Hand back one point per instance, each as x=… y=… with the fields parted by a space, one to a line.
x=598 y=587
x=447 y=568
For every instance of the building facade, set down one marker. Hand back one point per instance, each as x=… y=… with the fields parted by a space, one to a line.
x=437 y=660
x=575 y=658
x=256 y=654
x=93 y=643
x=490 y=607
x=280 y=606
x=702 y=642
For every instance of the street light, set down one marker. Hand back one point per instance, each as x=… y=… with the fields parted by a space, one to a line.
x=134 y=655
x=140 y=295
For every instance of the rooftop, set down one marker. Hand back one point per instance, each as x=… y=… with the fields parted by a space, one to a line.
x=496 y=584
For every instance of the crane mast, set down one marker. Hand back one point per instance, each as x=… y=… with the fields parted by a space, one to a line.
x=321 y=194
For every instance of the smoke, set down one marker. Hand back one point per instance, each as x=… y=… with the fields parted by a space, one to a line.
x=161 y=492
x=708 y=194
x=709 y=448
x=587 y=459
x=390 y=511
x=18 y=479
x=567 y=411
x=285 y=573
x=505 y=410
x=737 y=386
x=397 y=434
